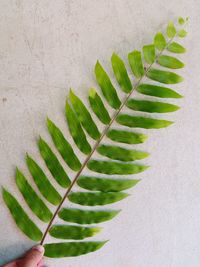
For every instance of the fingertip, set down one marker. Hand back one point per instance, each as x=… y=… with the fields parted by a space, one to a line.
x=39 y=248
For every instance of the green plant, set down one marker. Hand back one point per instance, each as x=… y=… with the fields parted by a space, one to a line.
x=100 y=190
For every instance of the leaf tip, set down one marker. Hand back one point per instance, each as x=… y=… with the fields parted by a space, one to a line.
x=92 y=92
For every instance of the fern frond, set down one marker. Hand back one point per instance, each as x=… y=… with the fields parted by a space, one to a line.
x=115 y=159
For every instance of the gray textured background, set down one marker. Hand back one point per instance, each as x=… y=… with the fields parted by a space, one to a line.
x=46 y=47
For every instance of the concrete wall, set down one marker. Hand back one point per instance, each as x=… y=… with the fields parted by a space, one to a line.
x=46 y=47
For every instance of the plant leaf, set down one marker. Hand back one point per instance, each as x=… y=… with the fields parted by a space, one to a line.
x=86 y=216
x=76 y=130
x=21 y=218
x=171 y=30
x=121 y=73
x=71 y=249
x=151 y=106
x=112 y=167
x=63 y=146
x=181 y=21
x=73 y=232
x=142 y=122
x=159 y=41
x=106 y=86
x=149 y=53
x=126 y=137
x=135 y=61
x=34 y=202
x=170 y=62
x=98 y=107
x=53 y=164
x=84 y=116
x=120 y=153
x=105 y=184
x=97 y=198
x=42 y=182
x=182 y=33
x=176 y=48
x=158 y=91
x=162 y=76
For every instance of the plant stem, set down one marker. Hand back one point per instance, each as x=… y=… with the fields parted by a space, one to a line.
x=104 y=132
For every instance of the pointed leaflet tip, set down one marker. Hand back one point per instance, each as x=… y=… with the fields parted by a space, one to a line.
x=92 y=92
x=71 y=93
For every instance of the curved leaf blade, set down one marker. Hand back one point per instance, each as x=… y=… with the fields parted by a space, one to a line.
x=142 y=122
x=170 y=62
x=21 y=218
x=53 y=164
x=151 y=106
x=121 y=73
x=157 y=91
x=34 y=202
x=71 y=249
x=42 y=182
x=105 y=184
x=73 y=232
x=112 y=167
x=76 y=130
x=126 y=137
x=120 y=153
x=98 y=107
x=84 y=116
x=106 y=86
x=135 y=61
x=176 y=48
x=162 y=76
x=149 y=53
x=63 y=146
x=159 y=41
x=171 y=30
x=86 y=216
x=97 y=198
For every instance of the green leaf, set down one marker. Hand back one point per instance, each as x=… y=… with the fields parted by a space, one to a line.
x=98 y=107
x=126 y=137
x=120 y=153
x=53 y=164
x=135 y=61
x=71 y=249
x=86 y=216
x=84 y=116
x=112 y=167
x=149 y=53
x=76 y=130
x=34 y=202
x=151 y=106
x=182 y=33
x=63 y=146
x=73 y=232
x=171 y=30
x=97 y=198
x=105 y=184
x=42 y=182
x=176 y=48
x=159 y=41
x=158 y=91
x=121 y=73
x=106 y=86
x=142 y=122
x=21 y=218
x=162 y=76
x=170 y=62
x=181 y=20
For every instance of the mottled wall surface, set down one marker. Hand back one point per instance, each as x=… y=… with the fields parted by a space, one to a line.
x=46 y=47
